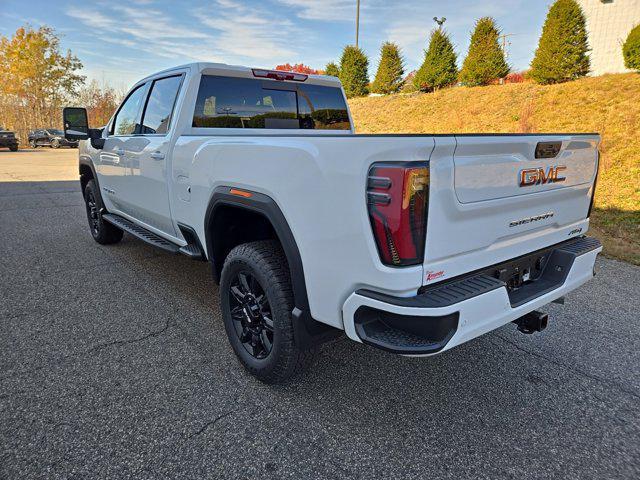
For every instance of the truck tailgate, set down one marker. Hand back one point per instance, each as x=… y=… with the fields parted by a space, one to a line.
x=508 y=195
x=488 y=170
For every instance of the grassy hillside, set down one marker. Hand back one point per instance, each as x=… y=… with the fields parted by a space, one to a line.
x=609 y=105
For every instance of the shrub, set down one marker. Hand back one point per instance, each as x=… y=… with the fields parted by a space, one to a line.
x=631 y=49
x=297 y=68
x=332 y=70
x=515 y=77
x=390 y=71
x=562 y=52
x=439 y=67
x=407 y=84
x=354 y=73
x=485 y=61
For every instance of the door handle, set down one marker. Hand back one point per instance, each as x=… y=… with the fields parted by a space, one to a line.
x=119 y=151
x=157 y=156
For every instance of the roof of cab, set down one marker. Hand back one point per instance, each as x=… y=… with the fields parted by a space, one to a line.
x=201 y=66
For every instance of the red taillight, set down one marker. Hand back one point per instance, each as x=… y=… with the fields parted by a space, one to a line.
x=279 y=75
x=397 y=198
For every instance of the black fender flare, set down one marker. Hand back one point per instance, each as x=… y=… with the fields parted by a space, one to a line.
x=307 y=331
x=85 y=162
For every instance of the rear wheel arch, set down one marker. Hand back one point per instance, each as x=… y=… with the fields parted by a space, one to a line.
x=268 y=222
x=261 y=208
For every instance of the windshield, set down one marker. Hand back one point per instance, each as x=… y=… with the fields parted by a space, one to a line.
x=55 y=132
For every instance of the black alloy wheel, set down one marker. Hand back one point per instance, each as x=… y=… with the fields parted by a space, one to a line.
x=251 y=314
x=93 y=213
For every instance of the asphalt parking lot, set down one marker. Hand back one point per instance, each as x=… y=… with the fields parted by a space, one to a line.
x=114 y=363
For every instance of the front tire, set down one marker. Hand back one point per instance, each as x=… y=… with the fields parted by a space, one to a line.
x=102 y=232
x=55 y=143
x=13 y=148
x=257 y=303
x=33 y=144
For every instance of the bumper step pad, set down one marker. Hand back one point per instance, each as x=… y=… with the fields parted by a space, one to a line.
x=581 y=245
x=442 y=295
x=405 y=334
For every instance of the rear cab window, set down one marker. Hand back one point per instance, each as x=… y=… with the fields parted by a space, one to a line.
x=228 y=102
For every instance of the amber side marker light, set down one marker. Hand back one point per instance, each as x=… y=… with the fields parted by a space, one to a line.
x=240 y=193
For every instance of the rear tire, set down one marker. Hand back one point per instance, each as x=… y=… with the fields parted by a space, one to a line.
x=33 y=144
x=257 y=302
x=55 y=143
x=14 y=148
x=102 y=231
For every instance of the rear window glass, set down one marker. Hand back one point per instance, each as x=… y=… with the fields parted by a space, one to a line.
x=225 y=102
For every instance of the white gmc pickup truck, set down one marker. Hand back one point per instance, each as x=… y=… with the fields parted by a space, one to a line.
x=412 y=244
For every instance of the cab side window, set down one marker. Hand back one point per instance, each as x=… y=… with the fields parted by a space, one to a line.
x=125 y=120
x=159 y=108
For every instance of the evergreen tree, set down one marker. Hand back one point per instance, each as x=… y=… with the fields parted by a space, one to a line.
x=485 y=61
x=439 y=68
x=390 y=71
x=354 y=73
x=631 y=49
x=562 y=52
x=332 y=70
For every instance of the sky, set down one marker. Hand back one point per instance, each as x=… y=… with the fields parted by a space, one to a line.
x=121 y=41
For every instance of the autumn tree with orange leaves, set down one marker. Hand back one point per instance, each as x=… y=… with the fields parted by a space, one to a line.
x=36 y=78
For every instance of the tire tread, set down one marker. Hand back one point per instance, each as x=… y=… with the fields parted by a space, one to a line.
x=268 y=257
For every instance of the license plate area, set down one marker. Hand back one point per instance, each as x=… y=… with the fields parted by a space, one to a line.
x=532 y=275
x=521 y=271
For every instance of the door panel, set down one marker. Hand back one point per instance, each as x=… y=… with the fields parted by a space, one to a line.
x=146 y=182
x=111 y=169
x=113 y=157
x=146 y=190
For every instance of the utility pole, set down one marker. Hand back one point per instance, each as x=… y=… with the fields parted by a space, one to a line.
x=505 y=43
x=357 y=22
x=440 y=21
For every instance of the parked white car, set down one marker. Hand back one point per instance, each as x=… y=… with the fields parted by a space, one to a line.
x=409 y=243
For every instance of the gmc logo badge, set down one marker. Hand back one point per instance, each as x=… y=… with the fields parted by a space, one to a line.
x=538 y=176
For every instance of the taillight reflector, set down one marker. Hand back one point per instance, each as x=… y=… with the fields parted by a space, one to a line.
x=397 y=200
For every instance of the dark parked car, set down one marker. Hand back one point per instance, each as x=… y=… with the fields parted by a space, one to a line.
x=8 y=140
x=51 y=137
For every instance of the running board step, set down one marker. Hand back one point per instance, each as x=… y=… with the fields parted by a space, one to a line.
x=190 y=250
x=140 y=232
